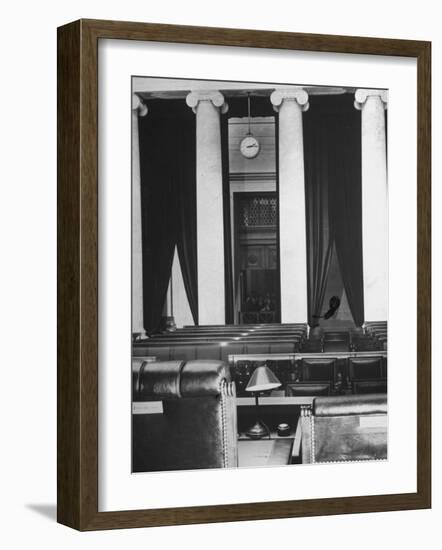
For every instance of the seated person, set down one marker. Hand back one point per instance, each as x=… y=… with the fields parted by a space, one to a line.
x=333 y=305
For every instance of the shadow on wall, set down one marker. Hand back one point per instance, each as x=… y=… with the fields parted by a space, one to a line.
x=48 y=511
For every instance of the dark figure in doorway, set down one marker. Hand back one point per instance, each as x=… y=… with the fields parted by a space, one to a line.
x=333 y=305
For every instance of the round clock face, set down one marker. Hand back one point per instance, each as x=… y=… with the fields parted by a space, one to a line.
x=249 y=147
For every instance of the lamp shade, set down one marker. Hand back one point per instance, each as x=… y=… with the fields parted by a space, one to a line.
x=262 y=379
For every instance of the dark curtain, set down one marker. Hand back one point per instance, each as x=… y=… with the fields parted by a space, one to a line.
x=319 y=237
x=345 y=202
x=228 y=273
x=332 y=153
x=168 y=187
x=186 y=209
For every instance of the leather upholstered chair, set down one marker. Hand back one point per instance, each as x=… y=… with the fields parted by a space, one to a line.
x=368 y=374
x=138 y=366
x=318 y=369
x=194 y=425
x=333 y=346
x=344 y=428
x=365 y=368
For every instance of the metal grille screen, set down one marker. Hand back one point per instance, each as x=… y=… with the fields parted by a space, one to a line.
x=258 y=211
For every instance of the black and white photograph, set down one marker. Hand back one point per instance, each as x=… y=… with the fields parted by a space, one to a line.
x=221 y=258
x=259 y=274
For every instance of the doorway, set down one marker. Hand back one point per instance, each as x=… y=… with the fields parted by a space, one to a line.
x=257 y=295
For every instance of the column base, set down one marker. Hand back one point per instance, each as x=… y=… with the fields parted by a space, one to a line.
x=168 y=324
x=138 y=335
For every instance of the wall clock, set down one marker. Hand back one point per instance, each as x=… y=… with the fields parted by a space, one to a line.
x=249 y=146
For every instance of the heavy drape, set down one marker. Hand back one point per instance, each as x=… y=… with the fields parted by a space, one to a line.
x=186 y=208
x=345 y=204
x=332 y=153
x=168 y=202
x=319 y=237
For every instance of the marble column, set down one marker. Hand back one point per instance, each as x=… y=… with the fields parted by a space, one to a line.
x=372 y=104
x=207 y=105
x=290 y=104
x=138 y=109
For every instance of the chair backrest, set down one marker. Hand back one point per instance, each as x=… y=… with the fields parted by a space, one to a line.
x=365 y=345
x=197 y=427
x=336 y=345
x=365 y=368
x=344 y=428
x=138 y=366
x=299 y=389
x=312 y=346
x=318 y=369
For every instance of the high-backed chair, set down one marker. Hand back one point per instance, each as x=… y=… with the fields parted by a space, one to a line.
x=195 y=424
x=336 y=345
x=344 y=428
x=318 y=369
x=368 y=374
x=365 y=344
x=138 y=366
x=365 y=368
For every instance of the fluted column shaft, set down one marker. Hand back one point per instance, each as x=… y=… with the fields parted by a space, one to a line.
x=138 y=109
x=210 y=235
x=292 y=223
x=372 y=104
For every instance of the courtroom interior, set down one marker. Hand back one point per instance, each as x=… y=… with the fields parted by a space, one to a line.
x=259 y=274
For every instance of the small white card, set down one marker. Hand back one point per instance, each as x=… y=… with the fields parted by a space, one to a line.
x=373 y=421
x=147 y=407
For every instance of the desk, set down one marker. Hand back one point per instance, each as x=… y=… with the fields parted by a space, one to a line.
x=295 y=437
x=150 y=407
x=265 y=452
x=274 y=401
x=273 y=411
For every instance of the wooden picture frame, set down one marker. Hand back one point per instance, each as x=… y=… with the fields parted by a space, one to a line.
x=78 y=274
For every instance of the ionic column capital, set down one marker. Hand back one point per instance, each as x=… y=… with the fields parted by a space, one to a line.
x=299 y=95
x=139 y=105
x=361 y=96
x=216 y=98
